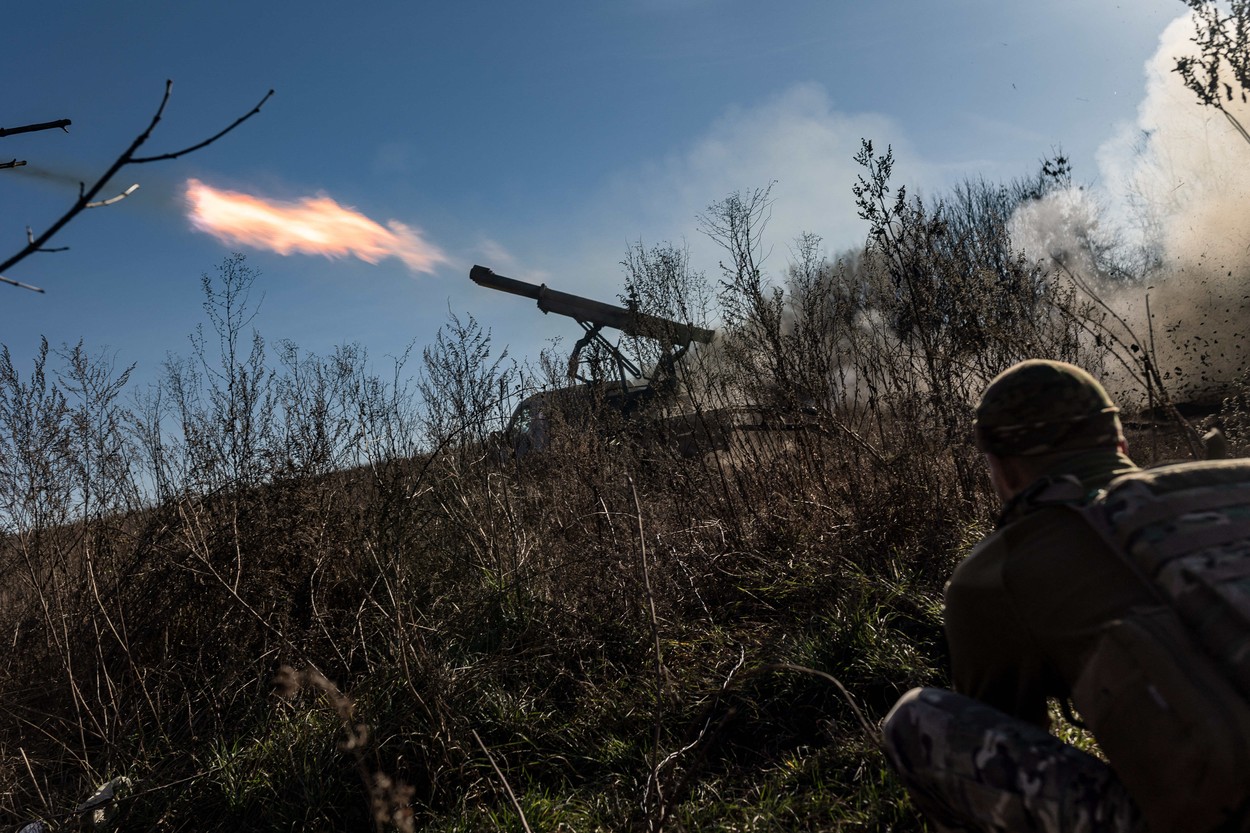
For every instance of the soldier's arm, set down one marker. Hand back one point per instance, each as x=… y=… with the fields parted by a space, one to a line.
x=993 y=658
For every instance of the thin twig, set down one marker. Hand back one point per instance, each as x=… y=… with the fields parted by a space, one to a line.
x=140 y=160
x=680 y=786
x=87 y=196
x=63 y=124
x=661 y=687
x=1149 y=366
x=1150 y=393
x=873 y=734
x=35 y=781
x=707 y=723
x=200 y=550
x=111 y=200
x=1236 y=124
x=122 y=642
x=516 y=805
x=30 y=238
x=19 y=284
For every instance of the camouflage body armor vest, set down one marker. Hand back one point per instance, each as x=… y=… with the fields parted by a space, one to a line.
x=1166 y=690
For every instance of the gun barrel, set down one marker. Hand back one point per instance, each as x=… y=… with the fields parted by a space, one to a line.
x=594 y=312
x=482 y=276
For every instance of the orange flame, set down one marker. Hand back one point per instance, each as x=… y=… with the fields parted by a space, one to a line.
x=312 y=225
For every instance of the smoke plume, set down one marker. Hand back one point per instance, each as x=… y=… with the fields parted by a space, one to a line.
x=1173 y=213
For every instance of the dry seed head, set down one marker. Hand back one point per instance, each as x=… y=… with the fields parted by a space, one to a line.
x=286 y=683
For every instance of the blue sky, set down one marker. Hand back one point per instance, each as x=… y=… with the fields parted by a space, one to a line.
x=537 y=138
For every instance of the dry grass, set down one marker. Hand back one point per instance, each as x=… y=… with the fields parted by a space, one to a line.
x=304 y=596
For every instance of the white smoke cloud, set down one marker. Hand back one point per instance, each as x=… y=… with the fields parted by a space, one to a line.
x=1174 y=183
x=1064 y=227
x=1182 y=171
x=797 y=140
x=494 y=254
x=1181 y=179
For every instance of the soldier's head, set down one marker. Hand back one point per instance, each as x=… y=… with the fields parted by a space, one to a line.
x=1039 y=411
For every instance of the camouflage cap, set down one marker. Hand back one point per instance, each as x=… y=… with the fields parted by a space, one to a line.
x=1040 y=406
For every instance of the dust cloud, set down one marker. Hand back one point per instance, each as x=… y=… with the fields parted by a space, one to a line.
x=1168 y=220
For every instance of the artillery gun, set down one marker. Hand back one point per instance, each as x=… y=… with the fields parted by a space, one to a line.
x=633 y=391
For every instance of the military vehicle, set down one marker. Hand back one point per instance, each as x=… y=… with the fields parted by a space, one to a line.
x=645 y=398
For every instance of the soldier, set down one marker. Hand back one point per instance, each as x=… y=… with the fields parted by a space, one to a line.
x=1022 y=613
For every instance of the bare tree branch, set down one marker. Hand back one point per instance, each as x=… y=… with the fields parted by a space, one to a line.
x=87 y=196
x=1224 y=44
x=31 y=128
x=20 y=285
x=30 y=238
x=118 y=198
x=516 y=805
x=206 y=142
x=1236 y=124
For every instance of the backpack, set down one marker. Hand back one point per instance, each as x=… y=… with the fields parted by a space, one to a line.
x=1166 y=689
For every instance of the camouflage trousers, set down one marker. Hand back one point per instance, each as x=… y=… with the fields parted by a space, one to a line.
x=969 y=767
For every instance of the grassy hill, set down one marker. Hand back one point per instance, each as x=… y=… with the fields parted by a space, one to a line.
x=286 y=592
